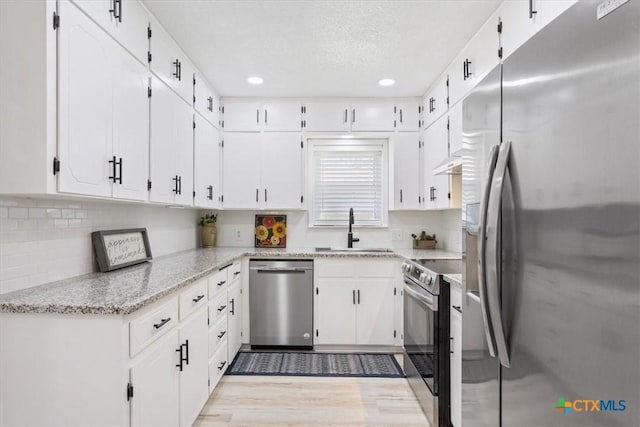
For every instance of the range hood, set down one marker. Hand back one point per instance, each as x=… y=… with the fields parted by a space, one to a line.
x=450 y=166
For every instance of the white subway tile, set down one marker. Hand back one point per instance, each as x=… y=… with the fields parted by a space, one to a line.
x=75 y=222
x=37 y=213
x=8 y=202
x=60 y=223
x=81 y=214
x=18 y=213
x=68 y=213
x=54 y=213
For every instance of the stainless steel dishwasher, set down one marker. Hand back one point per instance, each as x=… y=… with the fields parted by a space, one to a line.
x=281 y=303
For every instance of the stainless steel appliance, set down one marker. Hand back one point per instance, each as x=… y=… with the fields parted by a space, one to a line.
x=551 y=184
x=281 y=303
x=426 y=335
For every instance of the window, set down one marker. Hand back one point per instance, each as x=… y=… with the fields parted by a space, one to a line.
x=346 y=174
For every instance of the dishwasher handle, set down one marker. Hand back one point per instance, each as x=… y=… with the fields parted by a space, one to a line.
x=281 y=270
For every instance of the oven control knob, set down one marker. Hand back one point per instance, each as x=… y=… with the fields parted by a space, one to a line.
x=429 y=280
x=406 y=267
x=423 y=277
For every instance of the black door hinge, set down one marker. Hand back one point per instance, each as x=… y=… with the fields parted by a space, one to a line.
x=194 y=83
x=394 y=333
x=222 y=143
x=56 y=165
x=316 y=291
x=301 y=199
x=394 y=291
x=194 y=194
x=148 y=56
x=301 y=144
x=148 y=185
x=149 y=92
x=500 y=53
x=447 y=123
x=149 y=31
x=129 y=391
x=316 y=332
x=56 y=21
x=447 y=81
x=222 y=198
x=500 y=27
x=194 y=124
x=449 y=196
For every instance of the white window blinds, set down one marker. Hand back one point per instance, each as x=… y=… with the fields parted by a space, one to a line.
x=348 y=174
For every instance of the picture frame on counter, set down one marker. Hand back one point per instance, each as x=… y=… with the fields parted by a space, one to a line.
x=115 y=249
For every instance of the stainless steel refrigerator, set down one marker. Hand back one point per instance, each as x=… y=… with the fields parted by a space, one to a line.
x=551 y=214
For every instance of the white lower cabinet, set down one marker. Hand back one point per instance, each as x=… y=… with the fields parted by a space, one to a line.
x=194 y=388
x=234 y=314
x=355 y=302
x=156 y=399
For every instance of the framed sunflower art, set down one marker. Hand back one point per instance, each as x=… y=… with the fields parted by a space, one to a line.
x=271 y=231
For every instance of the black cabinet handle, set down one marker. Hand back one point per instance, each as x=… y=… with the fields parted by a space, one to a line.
x=186 y=345
x=236 y=273
x=353 y=293
x=120 y=171
x=210 y=189
x=346 y=112
x=265 y=195
x=222 y=334
x=434 y=193
x=210 y=104
x=116 y=10
x=265 y=116
x=353 y=116
x=401 y=195
x=458 y=309
x=179 y=184
x=221 y=283
x=465 y=69
x=222 y=365
x=358 y=296
x=112 y=162
x=162 y=323
x=198 y=298
x=401 y=115
x=258 y=116
x=233 y=306
x=531 y=11
x=222 y=307
x=178 y=73
x=179 y=365
x=175 y=188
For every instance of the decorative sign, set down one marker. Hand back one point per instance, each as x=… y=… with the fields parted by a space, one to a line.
x=271 y=231
x=120 y=248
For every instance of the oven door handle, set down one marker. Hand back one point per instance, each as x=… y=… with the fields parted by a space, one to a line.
x=430 y=302
x=482 y=247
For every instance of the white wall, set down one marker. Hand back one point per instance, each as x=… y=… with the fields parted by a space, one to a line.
x=46 y=240
x=445 y=224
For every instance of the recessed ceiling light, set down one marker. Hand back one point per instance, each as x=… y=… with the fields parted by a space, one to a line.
x=387 y=82
x=255 y=80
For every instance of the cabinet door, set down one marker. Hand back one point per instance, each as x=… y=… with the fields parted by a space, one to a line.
x=206 y=101
x=327 y=116
x=335 y=305
x=99 y=11
x=408 y=116
x=131 y=29
x=436 y=103
x=517 y=26
x=156 y=379
x=241 y=170
x=282 y=116
x=548 y=10
x=241 y=116
x=375 y=311
x=436 y=140
x=183 y=152
x=406 y=169
x=235 y=320
x=206 y=172
x=372 y=116
x=455 y=319
x=194 y=387
x=85 y=115
x=131 y=127
x=281 y=171
x=170 y=64
x=162 y=144
x=455 y=129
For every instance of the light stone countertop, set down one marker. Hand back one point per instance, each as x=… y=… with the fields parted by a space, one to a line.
x=454 y=279
x=124 y=291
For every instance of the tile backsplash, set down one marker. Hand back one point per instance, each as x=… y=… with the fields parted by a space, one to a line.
x=43 y=240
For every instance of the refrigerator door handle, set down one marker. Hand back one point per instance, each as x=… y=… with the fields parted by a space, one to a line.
x=492 y=257
x=482 y=244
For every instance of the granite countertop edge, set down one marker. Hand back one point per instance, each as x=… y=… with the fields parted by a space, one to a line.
x=41 y=299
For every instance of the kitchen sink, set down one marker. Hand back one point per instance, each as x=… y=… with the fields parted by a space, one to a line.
x=377 y=250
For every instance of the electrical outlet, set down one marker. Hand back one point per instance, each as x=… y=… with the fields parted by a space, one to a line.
x=238 y=234
x=396 y=235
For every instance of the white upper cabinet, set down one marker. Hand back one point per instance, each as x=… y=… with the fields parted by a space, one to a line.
x=406 y=171
x=436 y=140
x=170 y=63
x=479 y=57
x=407 y=116
x=240 y=115
x=282 y=116
x=259 y=175
x=436 y=102
x=327 y=115
x=455 y=130
x=372 y=115
x=205 y=99
x=125 y=20
x=206 y=172
x=171 y=168
x=103 y=146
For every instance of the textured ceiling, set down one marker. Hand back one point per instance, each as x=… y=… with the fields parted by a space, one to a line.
x=321 y=48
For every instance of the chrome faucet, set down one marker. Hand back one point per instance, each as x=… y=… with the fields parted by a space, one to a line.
x=350 y=238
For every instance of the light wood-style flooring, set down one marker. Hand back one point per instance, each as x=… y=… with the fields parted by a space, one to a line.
x=311 y=401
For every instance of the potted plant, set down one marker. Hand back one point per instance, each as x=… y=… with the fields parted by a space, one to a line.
x=424 y=241
x=209 y=231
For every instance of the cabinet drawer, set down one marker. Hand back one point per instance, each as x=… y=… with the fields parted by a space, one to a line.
x=218 y=307
x=193 y=298
x=334 y=268
x=456 y=295
x=218 y=336
x=377 y=268
x=217 y=367
x=217 y=283
x=146 y=329
x=234 y=272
